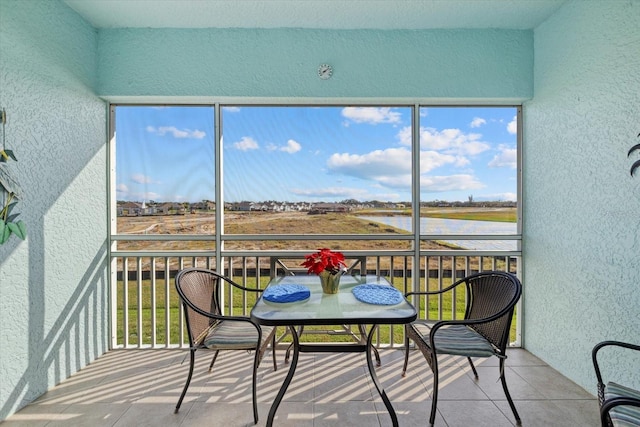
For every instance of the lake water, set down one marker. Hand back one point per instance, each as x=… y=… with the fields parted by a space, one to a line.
x=457 y=226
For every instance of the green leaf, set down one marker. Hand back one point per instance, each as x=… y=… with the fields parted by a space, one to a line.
x=10 y=154
x=5 y=232
x=9 y=207
x=18 y=228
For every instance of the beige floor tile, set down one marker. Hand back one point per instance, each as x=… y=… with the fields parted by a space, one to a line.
x=141 y=387
x=489 y=381
x=550 y=384
x=289 y=414
x=97 y=414
x=545 y=413
x=152 y=415
x=476 y=413
x=345 y=414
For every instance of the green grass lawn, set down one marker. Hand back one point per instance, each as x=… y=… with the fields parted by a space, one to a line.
x=276 y=225
x=502 y=215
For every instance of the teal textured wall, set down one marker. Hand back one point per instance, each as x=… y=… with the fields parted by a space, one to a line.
x=53 y=287
x=439 y=64
x=581 y=223
x=581 y=207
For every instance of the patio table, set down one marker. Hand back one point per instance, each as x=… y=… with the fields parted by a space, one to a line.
x=324 y=309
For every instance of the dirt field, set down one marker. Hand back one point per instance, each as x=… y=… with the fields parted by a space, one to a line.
x=281 y=223
x=266 y=223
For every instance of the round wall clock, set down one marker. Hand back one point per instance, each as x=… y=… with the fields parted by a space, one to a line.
x=325 y=71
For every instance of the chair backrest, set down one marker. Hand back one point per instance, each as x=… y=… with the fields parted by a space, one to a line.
x=282 y=264
x=198 y=291
x=490 y=293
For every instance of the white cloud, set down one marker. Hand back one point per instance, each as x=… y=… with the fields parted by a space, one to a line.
x=477 y=122
x=231 y=109
x=176 y=133
x=449 y=141
x=392 y=161
x=246 y=143
x=452 y=141
x=405 y=136
x=430 y=160
x=507 y=157
x=435 y=184
x=512 y=127
x=391 y=167
x=291 y=147
x=372 y=115
x=141 y=179
x=122 y=188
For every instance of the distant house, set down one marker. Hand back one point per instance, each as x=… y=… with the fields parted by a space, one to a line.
x=329 y=207
x=245 y=206
x=129 y=209
x=170 y=208
x=203 y=206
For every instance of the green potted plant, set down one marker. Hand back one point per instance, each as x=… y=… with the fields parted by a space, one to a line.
x=9 y=191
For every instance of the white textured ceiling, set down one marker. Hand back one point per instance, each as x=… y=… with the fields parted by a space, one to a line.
x=330 y=14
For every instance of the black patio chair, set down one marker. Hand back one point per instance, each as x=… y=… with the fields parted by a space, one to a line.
x=619 y=404
x=199 y=290
x=491 y=297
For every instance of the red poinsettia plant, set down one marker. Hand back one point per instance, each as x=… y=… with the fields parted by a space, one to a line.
x=324 y=259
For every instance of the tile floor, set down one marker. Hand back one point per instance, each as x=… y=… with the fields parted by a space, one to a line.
x=141 y=387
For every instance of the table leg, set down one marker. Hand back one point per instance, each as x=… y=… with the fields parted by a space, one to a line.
x=288 y=352
x=287 y=380
x=374 y=377
x=363 y=332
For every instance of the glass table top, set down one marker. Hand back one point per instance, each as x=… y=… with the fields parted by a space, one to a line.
x=329 y=309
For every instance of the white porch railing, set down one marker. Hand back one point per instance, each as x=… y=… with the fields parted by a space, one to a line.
x=146 y=312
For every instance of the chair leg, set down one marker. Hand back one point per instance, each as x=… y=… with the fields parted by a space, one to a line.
x=506 y=392
x=434 y=398
x=473 y=368
x=254 y=394
x=406 y=355
x=273 y=352
x=215 y=356
x=186 y=385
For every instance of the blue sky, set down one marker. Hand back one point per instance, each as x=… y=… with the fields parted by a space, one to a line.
x=313 y=154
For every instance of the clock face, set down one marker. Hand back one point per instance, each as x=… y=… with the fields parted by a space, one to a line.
x=325 y=71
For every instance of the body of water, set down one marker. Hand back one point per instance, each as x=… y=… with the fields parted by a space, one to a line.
x=457 y=226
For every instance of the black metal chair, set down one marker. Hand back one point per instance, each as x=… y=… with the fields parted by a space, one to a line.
x=199 y=290
x=491 y=297
x=619 y=405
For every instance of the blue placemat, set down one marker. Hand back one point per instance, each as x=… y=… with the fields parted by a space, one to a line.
x=286 y=293
x=378 y=294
